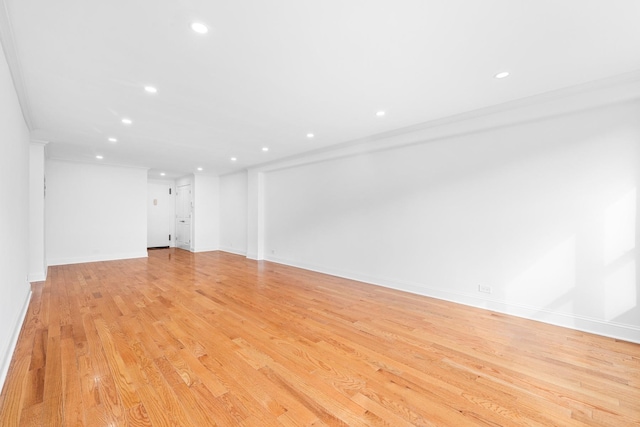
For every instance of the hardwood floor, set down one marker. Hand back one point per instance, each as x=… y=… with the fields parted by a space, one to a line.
x=215 y=339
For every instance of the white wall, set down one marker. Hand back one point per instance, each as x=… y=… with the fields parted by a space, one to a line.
x=37 y=256
x=14 y=218
x=94 y=212
x=206 y=213
x=233 y=213
x=544 y=212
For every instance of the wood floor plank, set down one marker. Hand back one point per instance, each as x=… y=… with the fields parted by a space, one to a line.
x=12 y=403
x=216 y=339
x=138 y=417
x=117 y=368
x=52 y=397
x=31 y=416
x=71 y=388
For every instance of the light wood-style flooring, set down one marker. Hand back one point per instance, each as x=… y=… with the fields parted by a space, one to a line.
x=216 y=339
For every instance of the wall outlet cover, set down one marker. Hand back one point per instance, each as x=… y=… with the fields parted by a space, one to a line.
x=484 y=288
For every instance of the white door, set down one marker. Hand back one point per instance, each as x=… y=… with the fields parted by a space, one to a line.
x=160 y=210
x=183 y=217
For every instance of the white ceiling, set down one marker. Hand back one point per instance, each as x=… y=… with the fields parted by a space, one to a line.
x=269 y=72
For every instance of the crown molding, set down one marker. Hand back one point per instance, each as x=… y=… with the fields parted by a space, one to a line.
x=11 y=54
x=96 y=163
x=613 y=90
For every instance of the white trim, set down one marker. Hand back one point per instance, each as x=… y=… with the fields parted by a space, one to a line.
x=232 y=251
x=101 y=164
x=576 y=322
x=6 y=358
x=96 y=258
x=205 y=249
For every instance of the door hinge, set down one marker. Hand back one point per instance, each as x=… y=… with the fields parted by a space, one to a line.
x=169 y=237
x=169 y=190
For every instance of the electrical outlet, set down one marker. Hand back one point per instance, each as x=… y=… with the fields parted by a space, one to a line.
x=484 y=289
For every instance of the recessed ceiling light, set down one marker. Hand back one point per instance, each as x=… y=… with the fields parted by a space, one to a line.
x=233 y=159
x=151 y=89
x=310 y=135
x=199 y=28
x=265 y=148
x=199 y=169
x=126 y=121
x=113 y=140
x=502 y=75
x=162 y=174
x=380 y=113
x=99 y=157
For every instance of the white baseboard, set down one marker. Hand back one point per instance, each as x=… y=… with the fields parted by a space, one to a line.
x=96 y=258
x=233 y=251
x=205 y=249
x=581 y=323
x=17 y=327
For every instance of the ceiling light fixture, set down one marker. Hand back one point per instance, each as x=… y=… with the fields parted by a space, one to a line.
x=265 y=148
x=502 y=75
x=199 y=28
x=310 y=135
x=126 y=121
x=233 y=159
x=113 y=140
x=99 y=157
x=380 y=113
x=200 y=169
x=150 y=89
x=162 y=174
